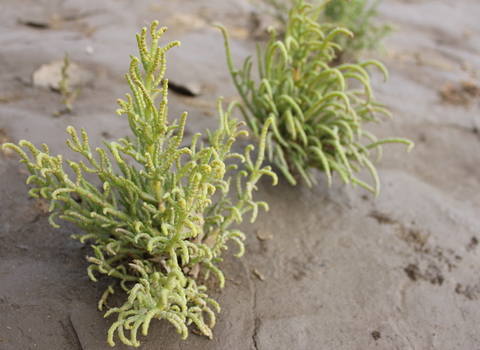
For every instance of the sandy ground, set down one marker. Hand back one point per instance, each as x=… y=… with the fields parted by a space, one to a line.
x=342 y=270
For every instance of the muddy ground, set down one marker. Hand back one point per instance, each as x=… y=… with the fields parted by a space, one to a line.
x=341 y=270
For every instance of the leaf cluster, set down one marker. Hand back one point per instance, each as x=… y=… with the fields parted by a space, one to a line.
x=154 y=222
x=358 y=16
x=317 y=111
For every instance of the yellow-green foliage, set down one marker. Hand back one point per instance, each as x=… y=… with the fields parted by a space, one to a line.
x=154 y=223
x=318 y=114
x=357 y=16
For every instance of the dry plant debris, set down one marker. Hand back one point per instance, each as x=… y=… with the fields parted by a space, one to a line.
x=4 y=138
x=460 y=94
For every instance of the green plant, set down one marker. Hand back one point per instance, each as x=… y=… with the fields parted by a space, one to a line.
x=68 y=96
x=154 y=222
x=357 y=16
x=277 y=8
x=317 y=116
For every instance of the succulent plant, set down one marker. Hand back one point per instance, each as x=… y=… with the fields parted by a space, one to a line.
x=154 y=223
x=318 y=111
x=358 y=16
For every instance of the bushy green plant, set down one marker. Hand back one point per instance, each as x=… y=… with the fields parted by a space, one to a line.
x=154 y=221
x=357 y=16
x=318 y=114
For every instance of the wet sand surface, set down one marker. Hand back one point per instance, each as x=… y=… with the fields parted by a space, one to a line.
x=340 y=269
